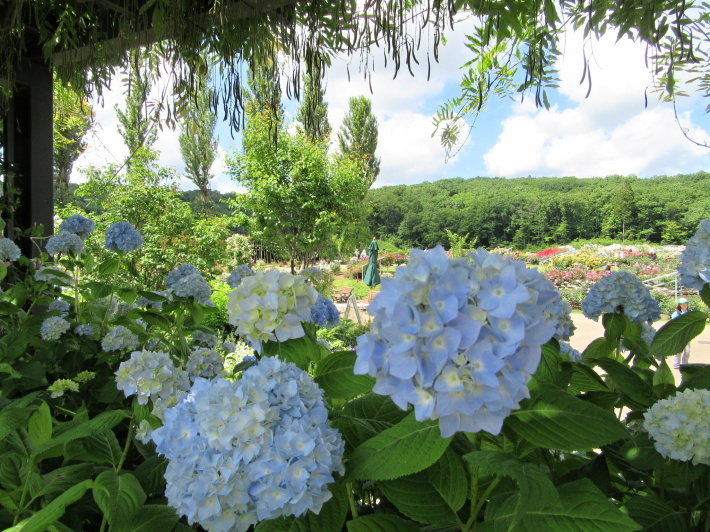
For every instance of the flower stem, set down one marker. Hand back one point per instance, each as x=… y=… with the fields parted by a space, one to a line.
x=351 y=499
x=129 y=437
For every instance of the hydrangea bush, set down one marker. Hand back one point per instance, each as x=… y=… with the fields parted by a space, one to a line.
x=462 y=408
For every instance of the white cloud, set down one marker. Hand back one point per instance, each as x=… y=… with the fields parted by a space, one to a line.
x=610 y=132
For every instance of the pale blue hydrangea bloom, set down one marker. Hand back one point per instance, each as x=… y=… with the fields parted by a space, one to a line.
x=559 y=313
x=53 y=328
x=119 y=338
x=9 y=250
x=680 y=426
x=648 y=333
x=60 y=386
x=254 y=449
x=84 y=330
x=122 y=236
x=60 y=305
x=324 y=313
x=64 y=242
x=78 y=225
x=313 y=273
x=195 y=286
x=229 y=347
x=150 y=375
x=567 y=350
x=458 y=339
x=270 y=306
x=238 y=273
x=621 y=291
x=203 y=338
x=178 y=273
x=204 y=362
x=144 y=302
x=694 y=268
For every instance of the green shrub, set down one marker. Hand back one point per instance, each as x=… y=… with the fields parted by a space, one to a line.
x=343 y=336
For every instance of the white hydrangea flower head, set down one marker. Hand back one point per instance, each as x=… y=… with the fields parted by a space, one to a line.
x=270 y=305
x=53 y=328
x=9 y=251
x=680 y=426
x=694 y=267
x=150 y=374
x=254 y=449
x=119 y=338
x=204 y=362
x=621 y=290
x=458 y=339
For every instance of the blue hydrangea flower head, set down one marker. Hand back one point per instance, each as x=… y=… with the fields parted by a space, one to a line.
x=203 y=338
x=458 y=339
x=84 y=330
x=694 y=267
x=78 y=225
x=679 y=426
x=122 y=236
x=559 y=313
x=9 y=251
x=119 y=338
x=179 y=273
x=324 y=313
x=60 y=305
x=64 y=242
x=239 y=272
x=254 y=449
x=621 y=291
x=53 y=328
x=270 y=306
x=195 y=286
x=567 y=350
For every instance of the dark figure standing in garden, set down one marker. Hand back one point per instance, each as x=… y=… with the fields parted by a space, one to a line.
x=607 y=268
x=372 y=274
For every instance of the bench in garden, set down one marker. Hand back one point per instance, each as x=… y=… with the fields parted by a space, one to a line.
x=343 y=294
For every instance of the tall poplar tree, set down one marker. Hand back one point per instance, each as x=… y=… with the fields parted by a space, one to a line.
x=198 y=146
x=358 y=135
x=136 y=127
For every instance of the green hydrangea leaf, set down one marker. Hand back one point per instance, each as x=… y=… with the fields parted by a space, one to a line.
x=555 y=419
x=335 y=375
x=404 y=449
x=677 y=333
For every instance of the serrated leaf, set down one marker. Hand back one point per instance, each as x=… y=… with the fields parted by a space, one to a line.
x=404 y=449
x=335 y=375
x=695 y=377
x=12 y=419
x=109 y=267
x=149 y=518
x=301 y=351
x=40 y=426
x=582 y=508
x=44 y=517
x=557 y=420
x=119 y=496
x=415 y=497
x=376 y=407
x=705 y=294
x=61 y=479
x=381 y=523
x=656 y=516
x=355 y=431
x=103 y=421
x=663 y=381
x=449 y=479
x=7 y=502
x=585 y=379
x=150 y=474
x=534 y=487
x=677 y=333
x=102 y=448
x=601 y=347
x=635 y=392
x=614 y=326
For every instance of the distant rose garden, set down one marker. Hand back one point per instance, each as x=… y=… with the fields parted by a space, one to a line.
x=460 y=406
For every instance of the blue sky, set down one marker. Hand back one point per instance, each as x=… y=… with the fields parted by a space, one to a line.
x=610 y=132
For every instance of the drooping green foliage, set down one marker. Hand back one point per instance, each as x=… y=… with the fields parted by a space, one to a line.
x=313 y=111
x=73 y=119
x=540 y=211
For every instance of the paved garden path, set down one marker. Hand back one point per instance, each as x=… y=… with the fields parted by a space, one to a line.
x=589 y=330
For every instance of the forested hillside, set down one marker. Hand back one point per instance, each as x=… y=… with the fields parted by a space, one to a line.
x=529 y=211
